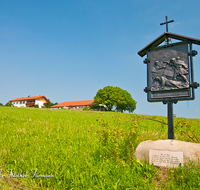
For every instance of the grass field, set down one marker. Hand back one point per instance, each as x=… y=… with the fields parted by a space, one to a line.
x=63 y=149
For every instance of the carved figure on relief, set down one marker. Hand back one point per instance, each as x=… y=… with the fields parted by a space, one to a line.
x=180 y=67
x=170 y=74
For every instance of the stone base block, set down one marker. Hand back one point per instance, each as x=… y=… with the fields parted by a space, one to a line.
x=168 y=152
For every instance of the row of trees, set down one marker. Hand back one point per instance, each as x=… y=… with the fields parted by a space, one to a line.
x=115 y=98
x=7 y=104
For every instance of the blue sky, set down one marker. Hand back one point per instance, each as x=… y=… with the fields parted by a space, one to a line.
x=68 y=49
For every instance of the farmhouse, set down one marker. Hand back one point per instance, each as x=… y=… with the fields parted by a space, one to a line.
x=78 y=105
x=30 y=101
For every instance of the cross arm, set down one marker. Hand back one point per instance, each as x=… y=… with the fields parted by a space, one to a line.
x=167 y=22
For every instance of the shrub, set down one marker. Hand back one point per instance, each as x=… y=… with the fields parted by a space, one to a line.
x=86 y=108
x=118 y=142
x=9 y=104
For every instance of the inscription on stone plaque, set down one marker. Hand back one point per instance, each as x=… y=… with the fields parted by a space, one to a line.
x=165 y=158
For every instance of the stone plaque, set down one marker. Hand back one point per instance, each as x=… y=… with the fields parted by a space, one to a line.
x=165 y=158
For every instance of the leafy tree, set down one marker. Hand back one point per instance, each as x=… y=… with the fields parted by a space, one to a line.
x=1 y=104
x=105 y=96
x=48 y=105
x=115 y=96
x=9 y=104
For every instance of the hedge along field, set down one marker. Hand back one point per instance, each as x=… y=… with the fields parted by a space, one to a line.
x=87 y=150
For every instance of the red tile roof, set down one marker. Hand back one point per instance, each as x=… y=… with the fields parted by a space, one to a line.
x=29 y=98
x=74 y=103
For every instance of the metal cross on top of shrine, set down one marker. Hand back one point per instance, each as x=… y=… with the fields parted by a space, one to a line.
x=166 y=23
x=167 y=26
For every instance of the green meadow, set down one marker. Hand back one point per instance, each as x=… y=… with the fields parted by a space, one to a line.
x=70 y=149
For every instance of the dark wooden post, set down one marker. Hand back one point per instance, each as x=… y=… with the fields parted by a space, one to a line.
x=170 y=120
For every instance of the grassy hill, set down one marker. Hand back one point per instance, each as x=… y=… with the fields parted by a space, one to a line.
x=63 y=149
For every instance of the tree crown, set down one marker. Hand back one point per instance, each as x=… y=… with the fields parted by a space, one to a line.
x=115 y=96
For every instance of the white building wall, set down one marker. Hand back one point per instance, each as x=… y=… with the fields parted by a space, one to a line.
x=19 y=103
x=39 y=103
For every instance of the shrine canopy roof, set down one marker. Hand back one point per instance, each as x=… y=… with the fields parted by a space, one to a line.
x=162 y=38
